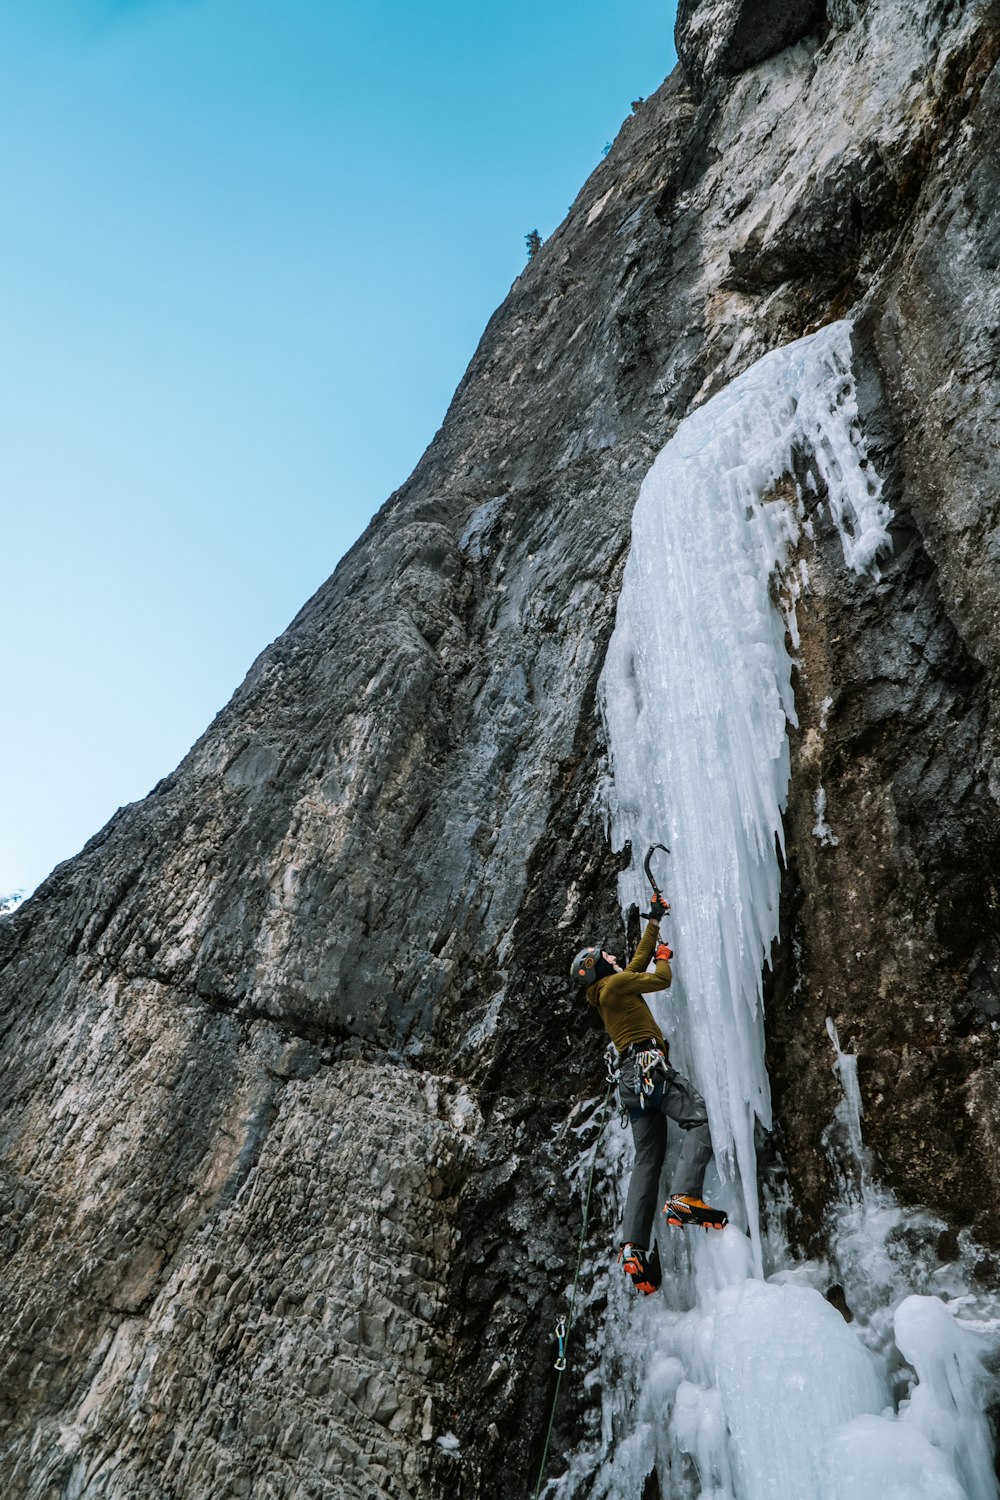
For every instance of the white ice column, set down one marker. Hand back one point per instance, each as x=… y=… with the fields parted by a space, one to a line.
x=697 y=698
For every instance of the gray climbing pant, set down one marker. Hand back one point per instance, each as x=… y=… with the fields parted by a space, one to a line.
x=673 y=1098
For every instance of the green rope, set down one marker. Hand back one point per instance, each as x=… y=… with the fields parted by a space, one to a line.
x=564 y=1340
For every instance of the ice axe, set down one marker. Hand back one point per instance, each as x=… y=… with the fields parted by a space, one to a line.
x=647 y=865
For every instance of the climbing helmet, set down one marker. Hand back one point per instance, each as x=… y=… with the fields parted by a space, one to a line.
x=584 y=968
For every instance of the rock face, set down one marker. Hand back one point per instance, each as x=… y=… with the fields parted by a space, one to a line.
x=292 y=1083
x=716 y=38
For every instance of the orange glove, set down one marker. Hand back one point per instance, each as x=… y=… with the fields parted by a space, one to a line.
x=664 y=951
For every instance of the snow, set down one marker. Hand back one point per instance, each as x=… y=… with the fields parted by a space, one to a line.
x=740 y=1380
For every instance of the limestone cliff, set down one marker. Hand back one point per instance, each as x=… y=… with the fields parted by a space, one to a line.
x=292 y=1078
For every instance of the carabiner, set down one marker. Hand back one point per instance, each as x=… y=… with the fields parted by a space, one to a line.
x=561 y=1337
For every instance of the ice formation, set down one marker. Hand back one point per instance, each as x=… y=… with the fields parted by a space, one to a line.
x=741 y=1381
x=697 y=694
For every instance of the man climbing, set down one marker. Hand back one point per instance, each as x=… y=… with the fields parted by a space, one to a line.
x=651 y=1092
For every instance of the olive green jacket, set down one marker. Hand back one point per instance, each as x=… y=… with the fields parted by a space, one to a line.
x=626 y=1016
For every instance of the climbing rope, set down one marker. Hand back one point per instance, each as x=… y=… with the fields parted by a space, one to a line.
x=565 y=1323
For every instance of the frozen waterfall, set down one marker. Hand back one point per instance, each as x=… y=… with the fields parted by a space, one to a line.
x=697 y=696
x=740 y=1381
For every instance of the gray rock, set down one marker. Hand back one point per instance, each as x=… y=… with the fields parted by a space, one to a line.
x=288 y=1051
x=719 y=37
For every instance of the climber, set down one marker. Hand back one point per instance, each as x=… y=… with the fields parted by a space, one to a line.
x=650 y=1092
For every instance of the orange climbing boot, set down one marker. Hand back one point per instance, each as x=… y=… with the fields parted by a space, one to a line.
x=642 y=1269
x=682 y=1210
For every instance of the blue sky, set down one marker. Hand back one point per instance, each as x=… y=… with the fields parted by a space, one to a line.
x=249 y=249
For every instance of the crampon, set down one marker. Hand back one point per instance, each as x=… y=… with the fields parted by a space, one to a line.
x=682 y=1210
x=643 y=1270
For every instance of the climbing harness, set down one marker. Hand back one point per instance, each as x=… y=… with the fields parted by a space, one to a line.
x=651 y=1069
x=565 y=1322
x=612 y=1063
